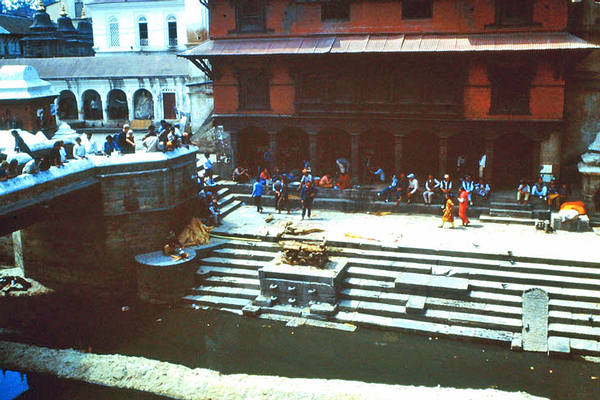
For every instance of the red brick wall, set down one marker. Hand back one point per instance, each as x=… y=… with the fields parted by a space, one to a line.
x=26 y=113
x=289 y=18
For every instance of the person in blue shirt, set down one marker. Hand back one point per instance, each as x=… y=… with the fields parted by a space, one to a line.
x=257 y=191
x=109 y=145
x=208 y=166
x=388 y=190
x=307 y=195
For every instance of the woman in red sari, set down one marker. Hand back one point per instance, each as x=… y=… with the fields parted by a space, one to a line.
x=463 y=200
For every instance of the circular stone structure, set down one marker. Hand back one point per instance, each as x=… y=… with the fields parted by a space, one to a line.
x=162 y=280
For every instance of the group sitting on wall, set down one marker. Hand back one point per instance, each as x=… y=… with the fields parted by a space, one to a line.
x=551 y=194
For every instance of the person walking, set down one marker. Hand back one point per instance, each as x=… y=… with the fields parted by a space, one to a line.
x=448 y=215
x=257 y=192
x=281 y=195
x=307 y=195
x=463 y=204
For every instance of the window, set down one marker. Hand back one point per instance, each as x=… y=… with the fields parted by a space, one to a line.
x=143 y=31
x=335 y=10
x=172 y=28
x=253 y=90
x=511 y=88
x=250 y=16
x=113 y=28
x=417 y=9
x=514 y=12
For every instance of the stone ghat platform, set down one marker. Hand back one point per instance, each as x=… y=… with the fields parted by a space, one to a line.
x=463 y=295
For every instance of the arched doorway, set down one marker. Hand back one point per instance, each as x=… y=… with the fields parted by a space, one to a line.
x=92 y=105
x=333 y=144
x=512 y=161
x=292 y=148
x=143 y=105
x=469 y=146
x=67 y=106
x=379 y=146
x=117 y=105
x=252 y=144
x=420 y=154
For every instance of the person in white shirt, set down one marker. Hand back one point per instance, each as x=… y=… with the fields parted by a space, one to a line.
x=62 y=152
x=523 y=192
x=78 y=150
x=483 y=189
x=90 y=146
x=468 y=186
x=413 y=186
x=430 y=186
x=482 y=162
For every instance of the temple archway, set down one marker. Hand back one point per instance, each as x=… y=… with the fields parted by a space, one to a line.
x=92 y=105
x=292 y=148
x=420 y=154
x=252 y=144
x=67 y=106
x=117 y=105
x=333 y=144
x=143 y=105
x=470 y=146
x=513 y=153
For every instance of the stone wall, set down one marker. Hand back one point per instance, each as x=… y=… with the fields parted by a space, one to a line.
x=7 y=255
x=90 y=243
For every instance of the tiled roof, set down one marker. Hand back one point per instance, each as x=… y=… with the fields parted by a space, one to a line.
x=393 y=43
x=15 y=25
x=119 y=66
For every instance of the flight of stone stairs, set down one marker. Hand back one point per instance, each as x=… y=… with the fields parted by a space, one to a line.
x=489 y=308
x=226 y=199
x=509 y=213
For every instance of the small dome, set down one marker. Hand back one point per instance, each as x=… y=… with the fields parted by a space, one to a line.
x=41 y=21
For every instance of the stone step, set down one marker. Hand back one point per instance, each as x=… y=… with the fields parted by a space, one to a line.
x=231 y=207
x=507 y=220
x=216 y=301
x=584 y=346
x=367 y=284
x=255 y=255
x=574 y=331
x=570 y=318
x=232 y=272
x=498 y=212
x=425 y=327
x=221 y=192
x=232 y=262
x=503 y=273
x=226 y=291
x=231 y=281
x=224 y=201
x=510 y=205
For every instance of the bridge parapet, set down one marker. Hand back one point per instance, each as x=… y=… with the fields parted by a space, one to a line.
x=82 y=224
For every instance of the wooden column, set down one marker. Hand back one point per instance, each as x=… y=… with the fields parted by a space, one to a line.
x=535 y=159
x=355 y=155
x=398 y=149
x=443 y=156
x=273 y=148
x=489 y=162
x=312 y=152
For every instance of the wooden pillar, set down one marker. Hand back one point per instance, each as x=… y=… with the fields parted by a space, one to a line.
x=312 y=152
x=355 y=155
x=273 y=148
x=489 y=158
x=398 y=150
x=234 y=148
x=535 y=159
x=443 y=156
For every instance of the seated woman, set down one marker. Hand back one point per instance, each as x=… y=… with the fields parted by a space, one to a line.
x=326 y=181
x=343 y=182
x=265 y=176
x=483 y=190
x=240 y=175
x=13 y=169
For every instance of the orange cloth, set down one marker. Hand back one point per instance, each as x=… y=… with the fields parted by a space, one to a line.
x=265 y=176
x=462 y=207
x=326 y=182
x=574 y=205
x=344 y=181
x=448 y=211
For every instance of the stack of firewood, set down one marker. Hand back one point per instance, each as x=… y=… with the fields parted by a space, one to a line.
x=296 y=253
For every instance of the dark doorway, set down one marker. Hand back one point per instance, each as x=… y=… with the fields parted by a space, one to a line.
x=117 y=105
x=169 y=105
x=252 y=144
x=512 y=160
x=67 y=106
x=292 y=149
x=420 y=154
x=92 y=106
x=333 y=144
x=469 y=146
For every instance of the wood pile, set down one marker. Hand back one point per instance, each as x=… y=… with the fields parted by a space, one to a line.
x=296 y=253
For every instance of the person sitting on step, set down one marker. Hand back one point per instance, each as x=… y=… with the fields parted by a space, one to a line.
x=523 y=192
x=539 y=190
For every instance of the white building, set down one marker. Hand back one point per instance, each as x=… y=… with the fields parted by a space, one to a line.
x=125 y=26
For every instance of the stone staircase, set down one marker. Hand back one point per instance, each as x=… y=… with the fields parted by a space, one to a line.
x=461 y=295
x=227 y=200
x=506 y=212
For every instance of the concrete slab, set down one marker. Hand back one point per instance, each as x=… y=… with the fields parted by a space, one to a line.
x=432 y=283
x=416 y=304
x=559 y=346
x=535 y=320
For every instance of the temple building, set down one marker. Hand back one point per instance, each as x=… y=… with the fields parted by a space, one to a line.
x=416 y=82
x=12 y=30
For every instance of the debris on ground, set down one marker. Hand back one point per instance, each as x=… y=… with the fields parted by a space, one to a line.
x=289 y=228
x=13 y=284
x=195 y=233
x=380 y=213
x=270 y=218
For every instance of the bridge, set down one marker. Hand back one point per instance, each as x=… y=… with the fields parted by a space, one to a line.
x=81 y=224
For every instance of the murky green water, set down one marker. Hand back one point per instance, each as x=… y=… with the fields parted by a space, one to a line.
x=233 y=344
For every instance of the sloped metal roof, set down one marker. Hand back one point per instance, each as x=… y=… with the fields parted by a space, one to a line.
x=394 y=43
x=15 y=25
x=118 y=66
